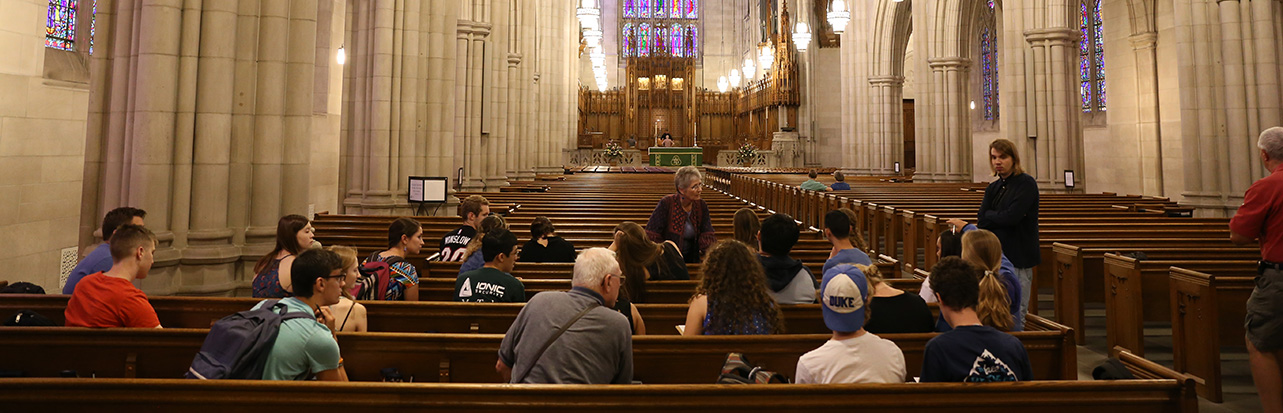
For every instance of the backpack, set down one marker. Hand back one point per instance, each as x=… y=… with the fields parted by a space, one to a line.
x=380 y=272
x=22 y=287
x=237 y=345
x=28 y=318
x=738 y=370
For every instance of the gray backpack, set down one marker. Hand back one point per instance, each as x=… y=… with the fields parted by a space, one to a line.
x=237 y=346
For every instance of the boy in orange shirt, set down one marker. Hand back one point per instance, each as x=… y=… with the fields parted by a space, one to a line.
x=109 y=299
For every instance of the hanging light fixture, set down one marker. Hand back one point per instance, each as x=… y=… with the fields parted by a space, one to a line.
x=722 y=84
x=735 y=78
x=593 y=37
x=802 y=36
x=597 y=57
x=839 y=16
x=765 y=56
x=587 y=13
x=341 y=57
x=748 y=69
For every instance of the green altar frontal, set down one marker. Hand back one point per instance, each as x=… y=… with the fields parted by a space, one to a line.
x=660 y=156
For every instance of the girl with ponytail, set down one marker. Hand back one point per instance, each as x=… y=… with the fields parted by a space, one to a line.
x=999 y=289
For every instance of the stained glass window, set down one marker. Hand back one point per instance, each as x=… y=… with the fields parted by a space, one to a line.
x=60 y=25
x=659 y=28
x=629 y=40
x=989 y=64
x=643 y=40
x=1091 y=58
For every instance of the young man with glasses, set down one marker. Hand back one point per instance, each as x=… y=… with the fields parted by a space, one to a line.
x=493 y=283
x=307 y=347
x=596 y=345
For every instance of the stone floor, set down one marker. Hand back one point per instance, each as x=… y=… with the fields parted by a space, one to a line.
x=1240 y=395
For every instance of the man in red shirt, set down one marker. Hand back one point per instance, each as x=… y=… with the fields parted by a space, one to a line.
x=109 y=299
x=1260 y=218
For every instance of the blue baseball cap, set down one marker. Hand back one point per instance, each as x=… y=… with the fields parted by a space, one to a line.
x=844 y=295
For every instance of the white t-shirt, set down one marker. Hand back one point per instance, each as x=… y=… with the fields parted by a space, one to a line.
x=864 y=359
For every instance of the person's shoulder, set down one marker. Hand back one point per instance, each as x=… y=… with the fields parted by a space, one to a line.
x=1025 y=178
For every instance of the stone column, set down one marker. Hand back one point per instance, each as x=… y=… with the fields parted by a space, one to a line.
x=951 y=152
x=888 y=145
x=1059 y=142
x=1149 y=120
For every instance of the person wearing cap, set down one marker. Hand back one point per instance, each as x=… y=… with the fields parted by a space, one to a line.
x=971 y=352
x=852 y=355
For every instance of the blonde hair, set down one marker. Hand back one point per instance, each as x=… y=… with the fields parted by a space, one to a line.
x=983 y=249
x=874 y=277
x=854 y=237
x=347 y=256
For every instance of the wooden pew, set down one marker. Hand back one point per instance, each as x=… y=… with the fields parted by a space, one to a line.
x=1079 y=267
x=1160 y=390
x=1208 y=310
x=166 y=353
x=1137 y=291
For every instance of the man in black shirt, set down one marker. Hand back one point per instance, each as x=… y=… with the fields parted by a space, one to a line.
x=493 y=283
x=454 y=245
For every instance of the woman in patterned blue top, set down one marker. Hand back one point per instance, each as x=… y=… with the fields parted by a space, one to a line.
x=732 y=298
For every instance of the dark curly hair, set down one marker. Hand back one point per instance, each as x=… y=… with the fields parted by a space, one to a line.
x=735 y=280
x=955 y=281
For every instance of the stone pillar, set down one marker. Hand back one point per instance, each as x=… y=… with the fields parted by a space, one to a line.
x=1149 y=120
x=951 y=150
x=1059 y=139
x=888 y=145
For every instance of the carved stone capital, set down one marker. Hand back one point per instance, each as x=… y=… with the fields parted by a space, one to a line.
x=1062 y=35
x=949 y=63
x=1146 y=40
x=886 y=80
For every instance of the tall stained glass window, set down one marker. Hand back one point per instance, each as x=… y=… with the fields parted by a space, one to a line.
x=659 y=28
x=643 y=40
x=989 y=63
x=1091 y=58
x=60 y=24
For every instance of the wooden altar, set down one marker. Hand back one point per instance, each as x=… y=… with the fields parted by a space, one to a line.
x=676 y=156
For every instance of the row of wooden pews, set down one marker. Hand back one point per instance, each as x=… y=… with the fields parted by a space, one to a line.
x=1157 y=390
x=1189 y=274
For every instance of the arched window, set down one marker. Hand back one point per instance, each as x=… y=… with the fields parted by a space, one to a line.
x=989 y=63
x=659 y=28
x=1091 y=58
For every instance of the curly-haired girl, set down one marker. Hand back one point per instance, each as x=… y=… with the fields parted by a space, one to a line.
x=732 y=298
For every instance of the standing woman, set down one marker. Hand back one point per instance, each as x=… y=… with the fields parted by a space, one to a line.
x=683 y=217
x=1010 y=211
x=405 y=237
x=272 y=273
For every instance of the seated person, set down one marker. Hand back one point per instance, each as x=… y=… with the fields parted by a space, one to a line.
x=812 y=184
x=99 y=260
x=894 y=311
x=746 y=225
x=789 y=281
x=971 y=352
x=306 y=347
x=472 y=209
x=841 y=184
x=350 y=314
x=493 y=282
x=598 y=350
x=730 y=276
x=852 y=355
x=109 y=299
x=472 y=257
x=949 y=244
x=545 y=245
x=837 y=229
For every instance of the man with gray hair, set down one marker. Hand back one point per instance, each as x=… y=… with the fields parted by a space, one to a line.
x=1259 y=220
x=572 y=337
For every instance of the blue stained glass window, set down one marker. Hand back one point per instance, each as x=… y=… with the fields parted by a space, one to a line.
x=661 y=9
x=694 y=39
x=659 y=28
x=661 y=40
x=60 y=24
x=644 y=10
x=989 y=67
x=677 y=9
x=1091 y=57
x=676 y=34
x=630 y=8
x=692 y=9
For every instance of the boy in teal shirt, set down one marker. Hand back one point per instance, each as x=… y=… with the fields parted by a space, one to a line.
x=307 y=347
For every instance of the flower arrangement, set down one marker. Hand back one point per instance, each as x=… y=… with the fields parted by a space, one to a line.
x=747 y=153
x=614 y=151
